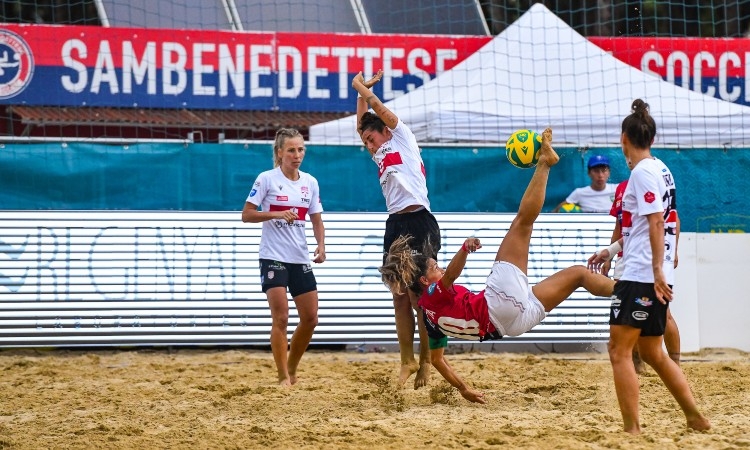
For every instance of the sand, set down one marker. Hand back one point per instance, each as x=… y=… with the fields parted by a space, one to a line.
x=229 y=398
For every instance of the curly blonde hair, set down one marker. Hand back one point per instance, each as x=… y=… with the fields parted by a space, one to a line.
x=403 y=266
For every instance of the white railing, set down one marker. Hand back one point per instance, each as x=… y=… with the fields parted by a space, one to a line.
x=94 y=278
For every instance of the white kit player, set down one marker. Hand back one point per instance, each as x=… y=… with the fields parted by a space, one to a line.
x=282 y=199
x=402 y=177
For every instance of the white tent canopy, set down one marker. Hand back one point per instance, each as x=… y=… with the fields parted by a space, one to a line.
x=539 y=72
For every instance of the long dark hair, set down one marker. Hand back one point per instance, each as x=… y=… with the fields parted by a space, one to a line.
x=371 y=121
x=639 y=126
x=404 y=266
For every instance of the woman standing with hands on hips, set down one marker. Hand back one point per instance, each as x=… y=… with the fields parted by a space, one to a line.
x=286 y=195
x=638 y=312
x=402 y=177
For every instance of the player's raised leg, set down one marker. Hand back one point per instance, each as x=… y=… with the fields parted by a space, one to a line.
x=515 y=246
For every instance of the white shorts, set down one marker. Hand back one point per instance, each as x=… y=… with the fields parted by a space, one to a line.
x=512 y=305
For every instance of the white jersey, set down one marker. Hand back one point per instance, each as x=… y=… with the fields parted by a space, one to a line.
x=651 y=189
x=272 y=191
x=401 y=170
x=592 y=201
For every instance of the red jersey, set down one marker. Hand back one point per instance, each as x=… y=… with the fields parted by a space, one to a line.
x=456 y=312
x=616 y=210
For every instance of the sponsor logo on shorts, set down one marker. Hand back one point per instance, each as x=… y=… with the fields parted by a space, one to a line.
x=616 y=312
x=615 y=302
x=644 y=301
x=306 y=268
x=640 y=315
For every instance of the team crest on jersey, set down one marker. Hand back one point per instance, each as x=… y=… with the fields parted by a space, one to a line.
x=16 y=64
x=304 y=191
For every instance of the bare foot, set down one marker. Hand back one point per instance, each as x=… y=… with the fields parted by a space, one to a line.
x=285 y=382
x=406 y=371
x=293 y=378
x=547 y=154
x=423 y=376
x=638 y=363
x=634 y=431
x=699 y=423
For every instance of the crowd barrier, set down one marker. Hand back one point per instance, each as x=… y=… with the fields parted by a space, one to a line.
x=144 y=278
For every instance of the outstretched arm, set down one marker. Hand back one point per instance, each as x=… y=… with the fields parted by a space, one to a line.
x=456 y=266
x=361 y=101
x=616 y=235
x=605 y=255
x=442 y=366
x=390 y=119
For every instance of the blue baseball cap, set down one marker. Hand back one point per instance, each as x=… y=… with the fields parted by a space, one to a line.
x=598 y=160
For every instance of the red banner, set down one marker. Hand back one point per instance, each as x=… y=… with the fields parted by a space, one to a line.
x=716 y=67
x=77 y=65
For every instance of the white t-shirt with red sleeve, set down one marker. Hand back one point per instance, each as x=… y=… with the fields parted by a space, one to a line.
x=272 y=191
x=651 y=189
x=401 y=170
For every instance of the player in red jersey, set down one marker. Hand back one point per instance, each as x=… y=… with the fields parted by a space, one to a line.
x=507 y=305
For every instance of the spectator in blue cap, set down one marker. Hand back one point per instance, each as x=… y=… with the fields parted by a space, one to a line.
x=599 y=195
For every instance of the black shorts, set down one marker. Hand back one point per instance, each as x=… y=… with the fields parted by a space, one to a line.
x=298 y=278
x=635 y=304
x=421 y=225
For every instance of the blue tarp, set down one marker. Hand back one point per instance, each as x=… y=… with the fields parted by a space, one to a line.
x=711 y=183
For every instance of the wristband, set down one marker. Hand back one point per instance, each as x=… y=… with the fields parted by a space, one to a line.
x=463 y=247
x=614 y=249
